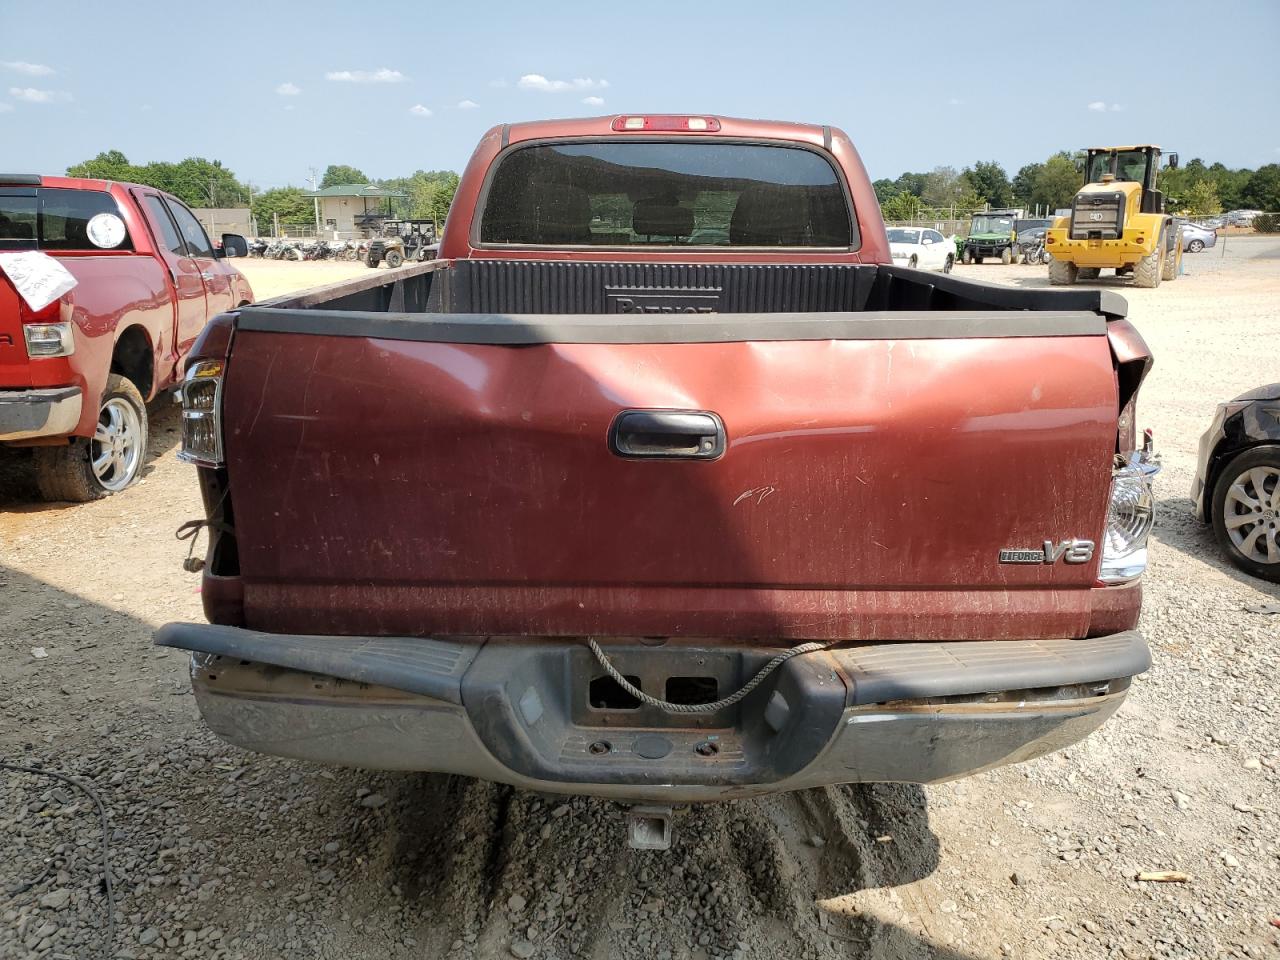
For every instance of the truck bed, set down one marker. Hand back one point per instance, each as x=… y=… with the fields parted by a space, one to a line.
x=594 y=287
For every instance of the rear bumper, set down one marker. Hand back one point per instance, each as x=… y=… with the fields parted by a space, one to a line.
x=1124 y=251
x=519 y=710
x=38 y=413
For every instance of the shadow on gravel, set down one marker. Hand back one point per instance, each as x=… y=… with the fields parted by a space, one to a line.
x=485 y=865
x=1176 y=527
x=18 y=491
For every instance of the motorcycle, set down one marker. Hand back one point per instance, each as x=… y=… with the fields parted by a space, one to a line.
x=1033 y=251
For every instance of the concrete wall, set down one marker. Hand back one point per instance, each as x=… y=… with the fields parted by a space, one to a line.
x=219 y=220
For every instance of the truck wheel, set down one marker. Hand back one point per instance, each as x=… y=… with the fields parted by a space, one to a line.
x=1062 y=273
x=1147 y=271
x=1006 y=256
x=951 y=262
x=370 y=261
x=1246 y=512
x=968 y=256
x=977 y=259
x=913 y=262
x=394 y=259
x=91 y=468
x=1088 y=273
x=1172 y=260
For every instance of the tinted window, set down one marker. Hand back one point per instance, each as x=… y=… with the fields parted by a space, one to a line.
x=49 y=218
x=167 y=233
x=900 y=235
x=641 y=193
x=197 y=240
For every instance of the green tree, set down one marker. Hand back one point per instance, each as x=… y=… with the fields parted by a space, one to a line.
x=990 y=182
x=912 y=183
x=885 y=189
x=195 y=181
x=1230 y=185
x=430 y=193
x=942 y=187
x=1057 y=183
x=108 y=165
x=1024 y=183
x=292 y=205
x=899 y=209
x=1263 y=189
x=1202 y=199
x=340 y=175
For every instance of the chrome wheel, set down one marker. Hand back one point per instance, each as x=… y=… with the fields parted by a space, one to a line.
x=1251 y=514
x=116 y=449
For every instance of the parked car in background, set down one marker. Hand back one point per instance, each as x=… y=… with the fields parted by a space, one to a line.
x=75 y=374
x=1237 y=484
x=922 y=248
x=1196 y=237
x=553 y=500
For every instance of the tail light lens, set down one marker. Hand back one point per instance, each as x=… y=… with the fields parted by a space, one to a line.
x=202 y=414
x=49 y=339
x=1130 y=516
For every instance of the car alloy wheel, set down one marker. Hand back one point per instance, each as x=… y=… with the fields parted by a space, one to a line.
x=1195 y=246
x=1251 y=514
x=116 y=448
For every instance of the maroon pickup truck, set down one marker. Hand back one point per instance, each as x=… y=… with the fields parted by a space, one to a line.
x=75 y=375
x=662 y=485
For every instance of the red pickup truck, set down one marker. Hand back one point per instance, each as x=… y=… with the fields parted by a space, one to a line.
x=75 y=375
x=663 y=485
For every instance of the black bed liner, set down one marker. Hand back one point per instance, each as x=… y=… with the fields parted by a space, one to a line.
x=523 y=302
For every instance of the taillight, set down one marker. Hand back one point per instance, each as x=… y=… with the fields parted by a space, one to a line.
x=49 y=339
x=1130 y=517
x=666 y=124
x=202 y=414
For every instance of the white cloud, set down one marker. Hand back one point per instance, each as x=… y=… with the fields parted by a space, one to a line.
x=30 y=69
x=288 y=89
x=418 y=110
x=1098 y=106
x=32 y=95
x=497 y=84
x=8 y=108
x=1116 y=108
x=467 y=104
x=381 y=75
x=536 y=81
x=593 y=101
x=955 y=102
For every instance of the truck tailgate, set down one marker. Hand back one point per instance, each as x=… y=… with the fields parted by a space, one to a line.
x=431 y=476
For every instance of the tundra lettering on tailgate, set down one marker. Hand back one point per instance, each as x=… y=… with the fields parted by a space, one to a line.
x=663 y=299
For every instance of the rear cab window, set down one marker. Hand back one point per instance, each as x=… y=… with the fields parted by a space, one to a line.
x=645 y=193
x=57 y=219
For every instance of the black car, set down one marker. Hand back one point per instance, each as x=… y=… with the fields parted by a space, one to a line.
x=1237 y=485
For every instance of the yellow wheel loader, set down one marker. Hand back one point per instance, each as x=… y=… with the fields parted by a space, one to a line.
x=1117 y=222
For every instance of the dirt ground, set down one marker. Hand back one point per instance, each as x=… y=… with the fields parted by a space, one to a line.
x=220 y=853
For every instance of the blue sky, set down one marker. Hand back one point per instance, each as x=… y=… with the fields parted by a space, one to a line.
x=273 y=89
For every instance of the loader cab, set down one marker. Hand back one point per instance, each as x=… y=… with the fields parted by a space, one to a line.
x=1139 y=165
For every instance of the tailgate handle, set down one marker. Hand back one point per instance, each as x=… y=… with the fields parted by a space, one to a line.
x=667 y=435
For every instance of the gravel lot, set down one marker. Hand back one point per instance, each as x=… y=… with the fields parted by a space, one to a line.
x=219 y=853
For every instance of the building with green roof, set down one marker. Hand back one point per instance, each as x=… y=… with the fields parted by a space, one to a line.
x=355 y=209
